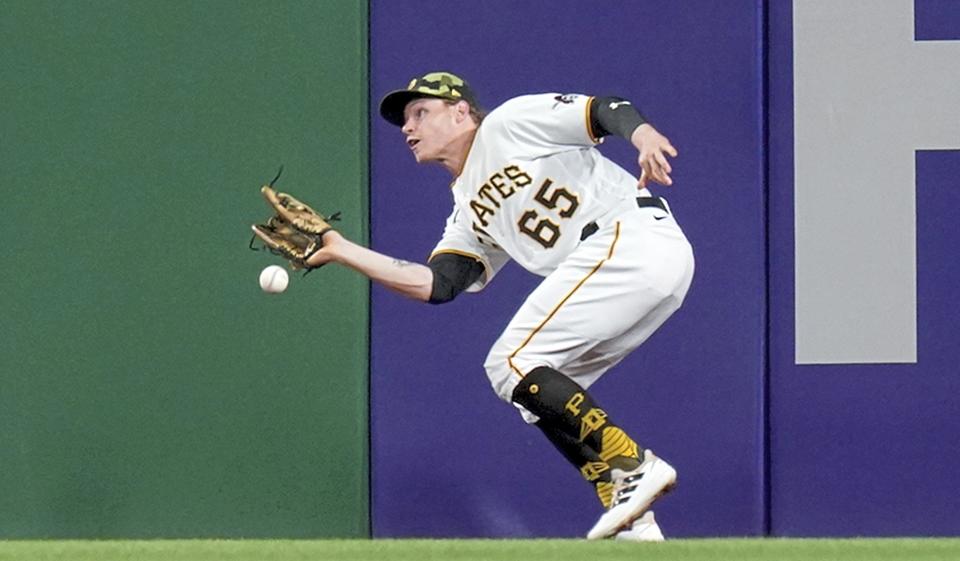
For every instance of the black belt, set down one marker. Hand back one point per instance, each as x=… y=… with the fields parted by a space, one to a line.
x=642 y=202
x=655 y=202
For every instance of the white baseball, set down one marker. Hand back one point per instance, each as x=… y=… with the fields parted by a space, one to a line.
x=274 y=279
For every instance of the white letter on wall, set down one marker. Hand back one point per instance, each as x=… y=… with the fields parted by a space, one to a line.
x=866 y=96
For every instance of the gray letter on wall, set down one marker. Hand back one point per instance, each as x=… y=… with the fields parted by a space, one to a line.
x=866 y=96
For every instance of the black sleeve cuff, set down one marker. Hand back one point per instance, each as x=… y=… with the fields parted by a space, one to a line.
x=452 y=274
x=614 y=115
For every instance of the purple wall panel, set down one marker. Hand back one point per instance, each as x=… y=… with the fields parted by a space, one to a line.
x=450 y=459
x=936 y=20
x=863 y=449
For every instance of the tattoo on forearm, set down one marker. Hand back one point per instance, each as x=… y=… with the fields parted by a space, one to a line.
x=401 y=263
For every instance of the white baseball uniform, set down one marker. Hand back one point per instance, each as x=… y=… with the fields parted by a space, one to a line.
x=531 y=182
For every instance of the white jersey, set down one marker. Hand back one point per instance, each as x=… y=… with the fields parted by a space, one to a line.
x=531 y=182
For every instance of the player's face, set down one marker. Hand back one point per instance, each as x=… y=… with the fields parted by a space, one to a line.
x=429 y=125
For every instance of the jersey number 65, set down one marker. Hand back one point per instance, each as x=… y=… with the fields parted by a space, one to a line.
x=543 y=230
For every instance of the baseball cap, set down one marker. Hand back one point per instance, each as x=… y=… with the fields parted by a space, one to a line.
x=440 y=85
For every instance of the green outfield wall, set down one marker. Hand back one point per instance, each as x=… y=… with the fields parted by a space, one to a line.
x=147 y=386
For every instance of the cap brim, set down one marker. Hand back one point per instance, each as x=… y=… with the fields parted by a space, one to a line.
x=393 y=104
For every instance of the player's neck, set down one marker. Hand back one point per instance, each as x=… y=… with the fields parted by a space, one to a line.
x=457 y=151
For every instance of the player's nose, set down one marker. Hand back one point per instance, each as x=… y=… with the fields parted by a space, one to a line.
x=407 y=127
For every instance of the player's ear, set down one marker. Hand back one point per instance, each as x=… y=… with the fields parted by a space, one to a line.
x=463 y=111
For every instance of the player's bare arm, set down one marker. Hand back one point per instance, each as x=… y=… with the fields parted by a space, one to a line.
x=441 y=281
x=409 y=279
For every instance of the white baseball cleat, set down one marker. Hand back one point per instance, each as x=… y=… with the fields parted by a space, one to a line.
x=644 y=529
x=633 y=493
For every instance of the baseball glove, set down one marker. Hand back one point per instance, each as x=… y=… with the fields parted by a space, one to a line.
x=295 y=232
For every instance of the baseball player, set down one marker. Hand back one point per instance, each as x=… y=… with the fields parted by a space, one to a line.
x=530 y=185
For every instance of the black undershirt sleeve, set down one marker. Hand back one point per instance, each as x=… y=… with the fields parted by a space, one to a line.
x=614 y=115
x=452 y=274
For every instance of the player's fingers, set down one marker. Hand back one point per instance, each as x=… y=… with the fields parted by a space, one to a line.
x=669 y=149
x=654 y=169
x=643 y=180
x=646 y=167
x=663 y=179
x=661 y=174
x=664 y=164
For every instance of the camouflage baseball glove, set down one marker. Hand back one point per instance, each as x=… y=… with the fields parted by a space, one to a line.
x=295 y=232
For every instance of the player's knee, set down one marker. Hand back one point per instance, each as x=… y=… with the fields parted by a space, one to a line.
x=499 y=372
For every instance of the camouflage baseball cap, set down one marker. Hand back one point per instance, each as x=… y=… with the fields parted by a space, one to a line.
x=440 y=85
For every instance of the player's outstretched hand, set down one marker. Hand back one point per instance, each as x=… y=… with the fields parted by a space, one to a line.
x=654 y=149
x=326 y=253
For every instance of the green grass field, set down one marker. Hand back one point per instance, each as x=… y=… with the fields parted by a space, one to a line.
x=485 y=550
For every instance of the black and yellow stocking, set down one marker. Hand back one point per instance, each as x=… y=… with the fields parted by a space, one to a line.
x=578 y=427
x=584 y=458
